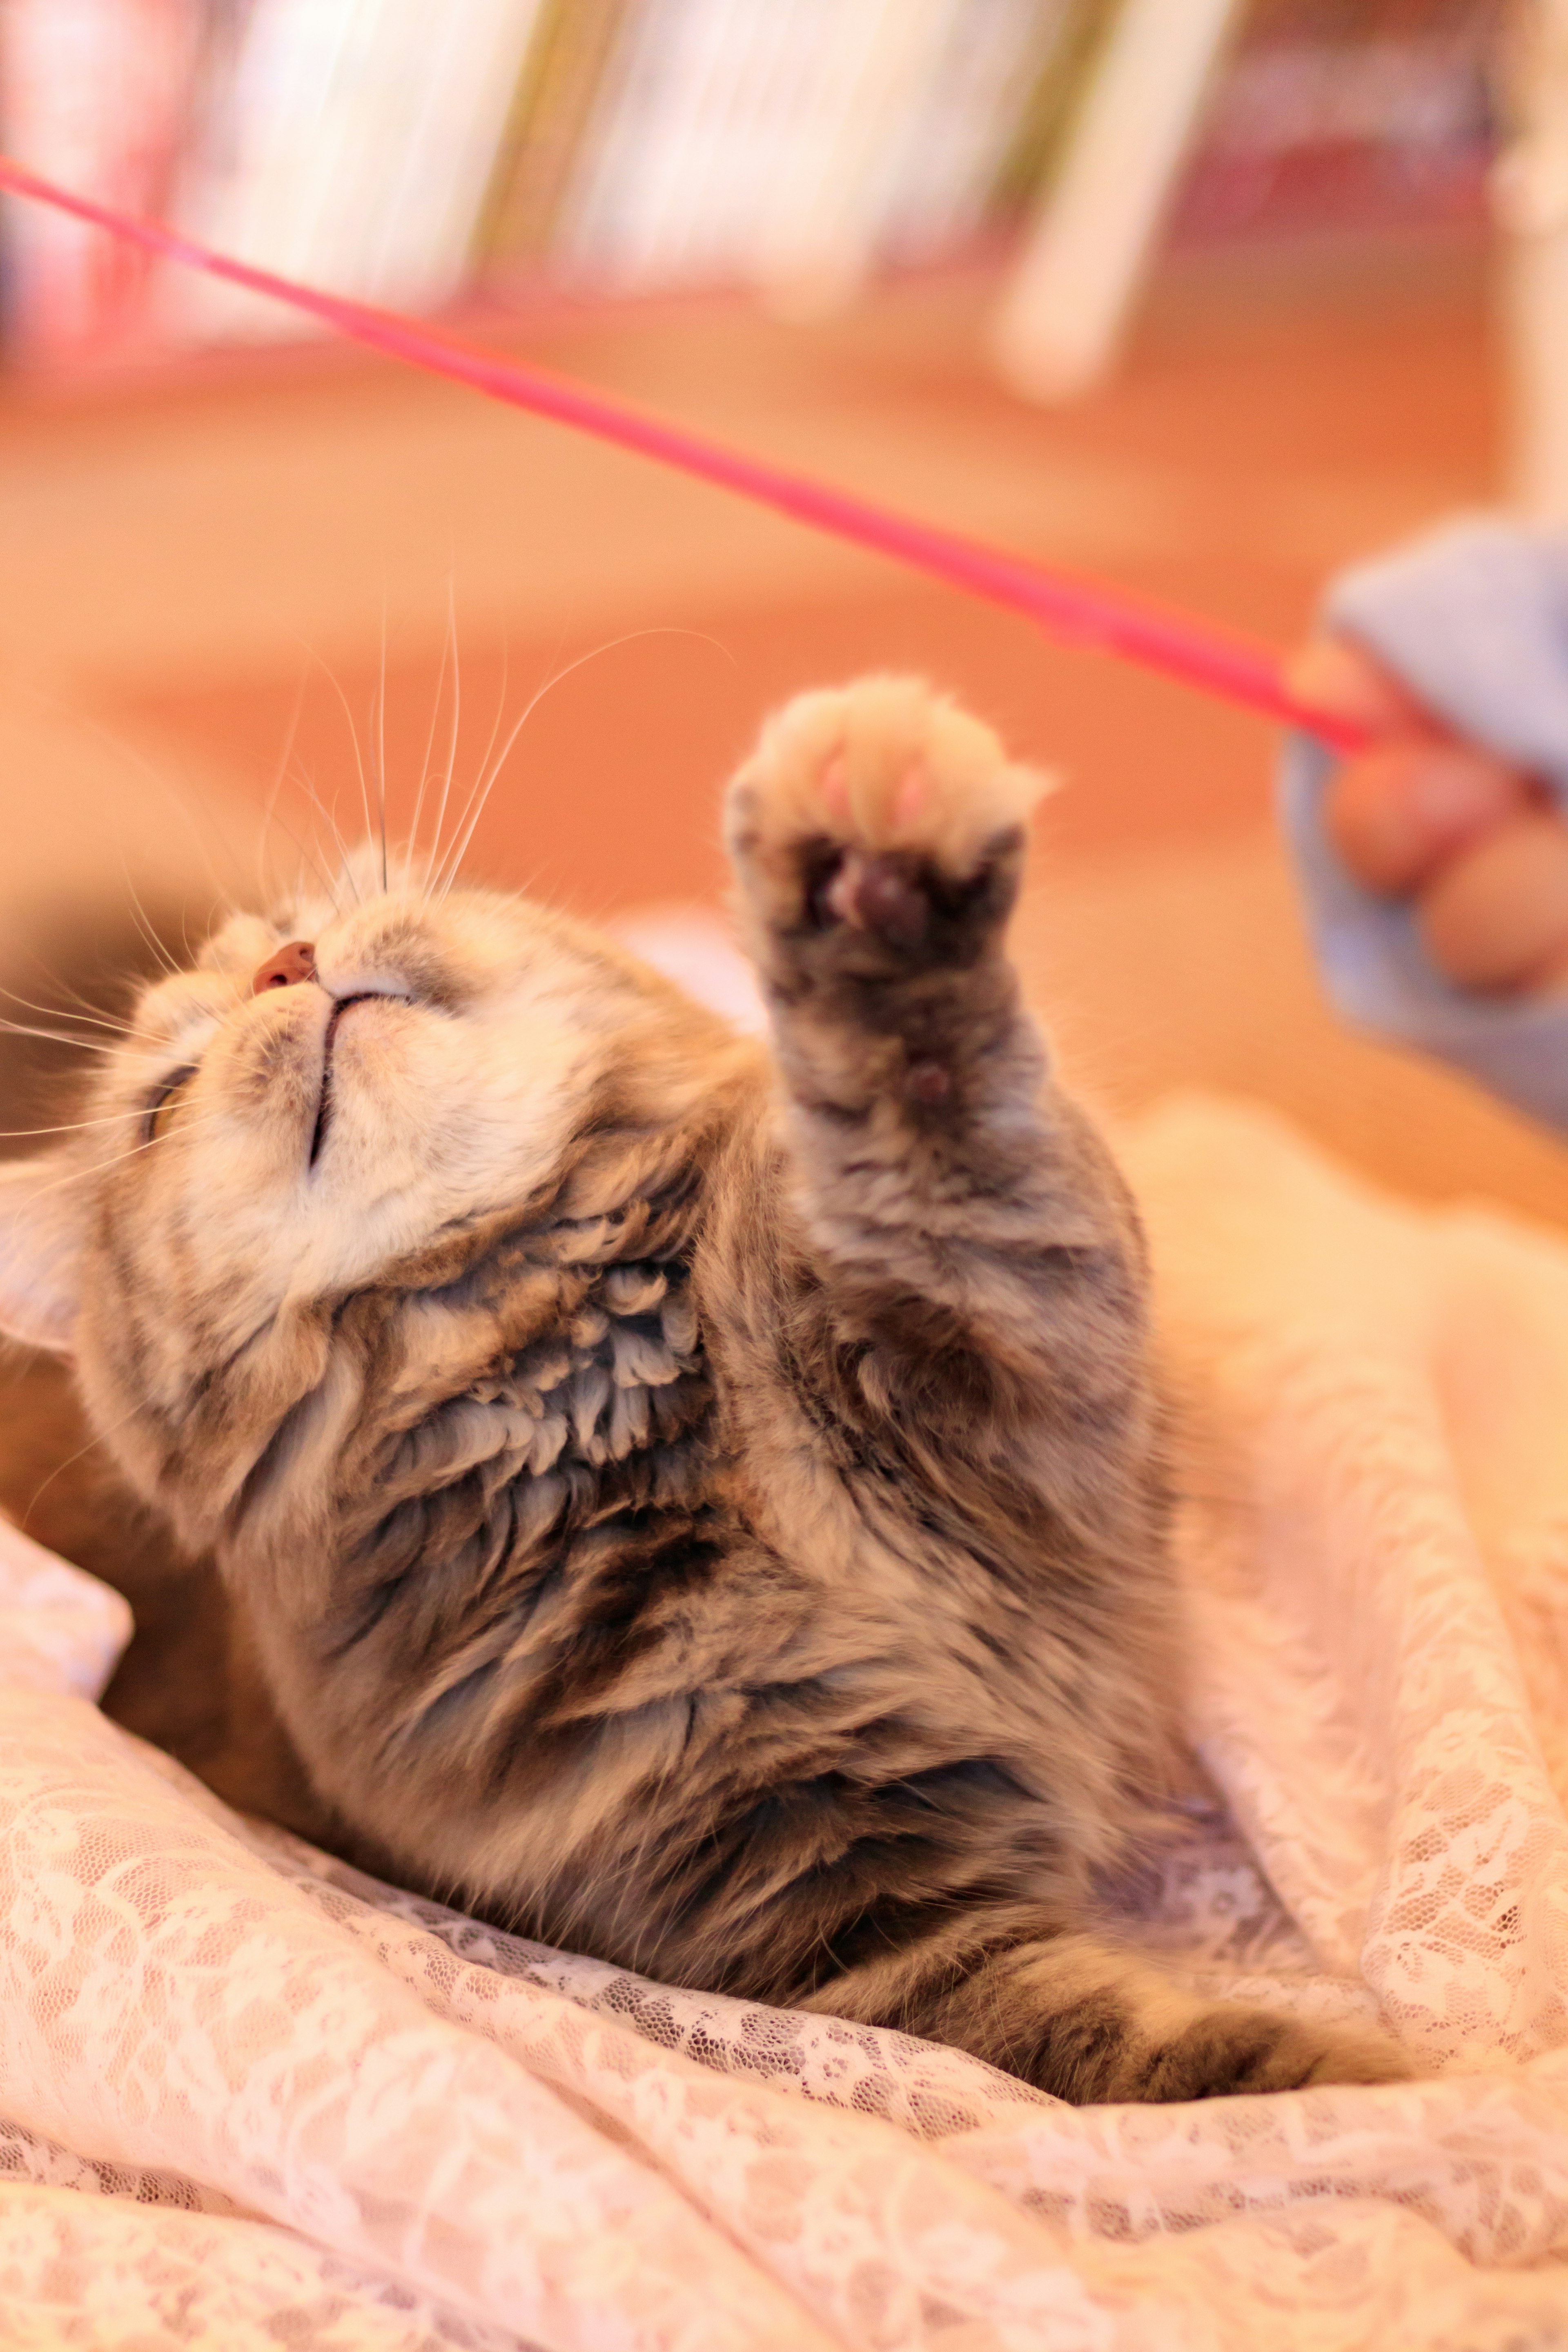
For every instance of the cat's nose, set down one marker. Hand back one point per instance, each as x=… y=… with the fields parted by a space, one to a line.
x=286 y=967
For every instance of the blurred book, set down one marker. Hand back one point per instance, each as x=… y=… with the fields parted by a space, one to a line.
x=96 y=94
x=554 y=98
x=350 y=143
x=683 y=147
x=1004 y=64
x=827 y=214
x=1064 y=315
x=737 y=141
x=1207 y=116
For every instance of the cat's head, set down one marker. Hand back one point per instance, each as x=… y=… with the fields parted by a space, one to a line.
x=347 y=1088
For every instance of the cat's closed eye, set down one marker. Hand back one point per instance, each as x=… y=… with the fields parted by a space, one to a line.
x=165 y=1102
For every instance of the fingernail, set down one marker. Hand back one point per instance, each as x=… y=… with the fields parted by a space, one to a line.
x=1453 y=794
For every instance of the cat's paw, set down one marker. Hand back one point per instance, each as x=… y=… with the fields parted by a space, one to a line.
x=1228 y=2051
x=882 y=816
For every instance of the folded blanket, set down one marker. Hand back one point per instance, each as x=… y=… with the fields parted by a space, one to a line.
x=251 y=2097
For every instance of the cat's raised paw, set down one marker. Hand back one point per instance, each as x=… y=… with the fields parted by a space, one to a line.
x=883 y=811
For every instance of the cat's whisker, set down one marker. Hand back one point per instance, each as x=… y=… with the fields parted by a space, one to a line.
x=93 y=1012
x=429 y=745
x=61 y=1037
x=101 y=1166
x=144 y=923
x=70 y=1461
x=54 y=1037
x=154 y=776
x=329 y=816
x=474 y=806
x=279 y=777
x=303 y=778
x=380 y=741
x=72 y=1127
x=477 y=786
x=451 y=865
x=96 y=1019
x=313 y=658
x=451 y=743
x=359 y=771
x=501 y=704
x=183 y=1129
x=70 y=1004
x=307 y=857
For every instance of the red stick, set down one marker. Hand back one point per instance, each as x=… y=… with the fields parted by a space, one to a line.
x=1078 y=611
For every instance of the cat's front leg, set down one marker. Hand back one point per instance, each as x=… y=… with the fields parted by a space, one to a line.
x=956 y=1203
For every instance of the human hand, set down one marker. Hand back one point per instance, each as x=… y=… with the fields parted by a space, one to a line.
x=1476 y=846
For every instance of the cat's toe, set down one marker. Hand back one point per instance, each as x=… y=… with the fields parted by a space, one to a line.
x=879 y=805
x=1345 y=2056
x=1229 y=2052
x=887 y=763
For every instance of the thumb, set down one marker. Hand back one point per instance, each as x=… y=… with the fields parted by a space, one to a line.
x=1341 y=677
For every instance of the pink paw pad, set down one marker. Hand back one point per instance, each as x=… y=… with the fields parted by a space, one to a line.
x=915 y=790
x=842 y=895
x=834 y=786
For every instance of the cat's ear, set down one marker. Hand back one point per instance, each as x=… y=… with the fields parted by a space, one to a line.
x=38 y=1254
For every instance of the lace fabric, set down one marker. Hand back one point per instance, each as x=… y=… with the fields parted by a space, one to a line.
x=252 y=2096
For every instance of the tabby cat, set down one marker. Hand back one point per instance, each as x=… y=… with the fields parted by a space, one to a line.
x=696 y=1503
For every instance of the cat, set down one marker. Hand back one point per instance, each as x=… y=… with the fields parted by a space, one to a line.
x=693 y=1499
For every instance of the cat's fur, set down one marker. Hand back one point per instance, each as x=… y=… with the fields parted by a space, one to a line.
x=699 y=1504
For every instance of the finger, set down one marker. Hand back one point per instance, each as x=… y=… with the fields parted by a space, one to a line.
x=1394 y=815
x=1496 y=916
x=1340 y=676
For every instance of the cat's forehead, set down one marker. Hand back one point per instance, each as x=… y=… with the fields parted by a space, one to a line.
x=367 y=910
x=173 y=1008
x=170 y=1006
x=447 y=951
x=390 y=922
x=238 y=944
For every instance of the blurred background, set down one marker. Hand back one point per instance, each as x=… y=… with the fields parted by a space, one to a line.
x=1208 y=296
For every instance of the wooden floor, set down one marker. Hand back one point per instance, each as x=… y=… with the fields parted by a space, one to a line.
x=187 y=571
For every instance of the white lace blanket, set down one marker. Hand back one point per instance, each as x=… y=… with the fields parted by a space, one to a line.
x=251 y=2099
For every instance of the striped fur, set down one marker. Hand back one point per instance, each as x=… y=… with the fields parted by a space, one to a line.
x=697 y=1504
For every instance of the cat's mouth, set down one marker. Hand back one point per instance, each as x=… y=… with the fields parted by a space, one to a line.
x=329 y=1038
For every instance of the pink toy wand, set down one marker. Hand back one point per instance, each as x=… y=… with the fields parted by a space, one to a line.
x=1076 y=611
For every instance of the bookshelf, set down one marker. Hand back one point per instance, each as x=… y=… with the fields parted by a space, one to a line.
x=493 y=159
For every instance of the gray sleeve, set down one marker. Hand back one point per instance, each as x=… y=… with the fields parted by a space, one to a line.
x=1475 y=619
